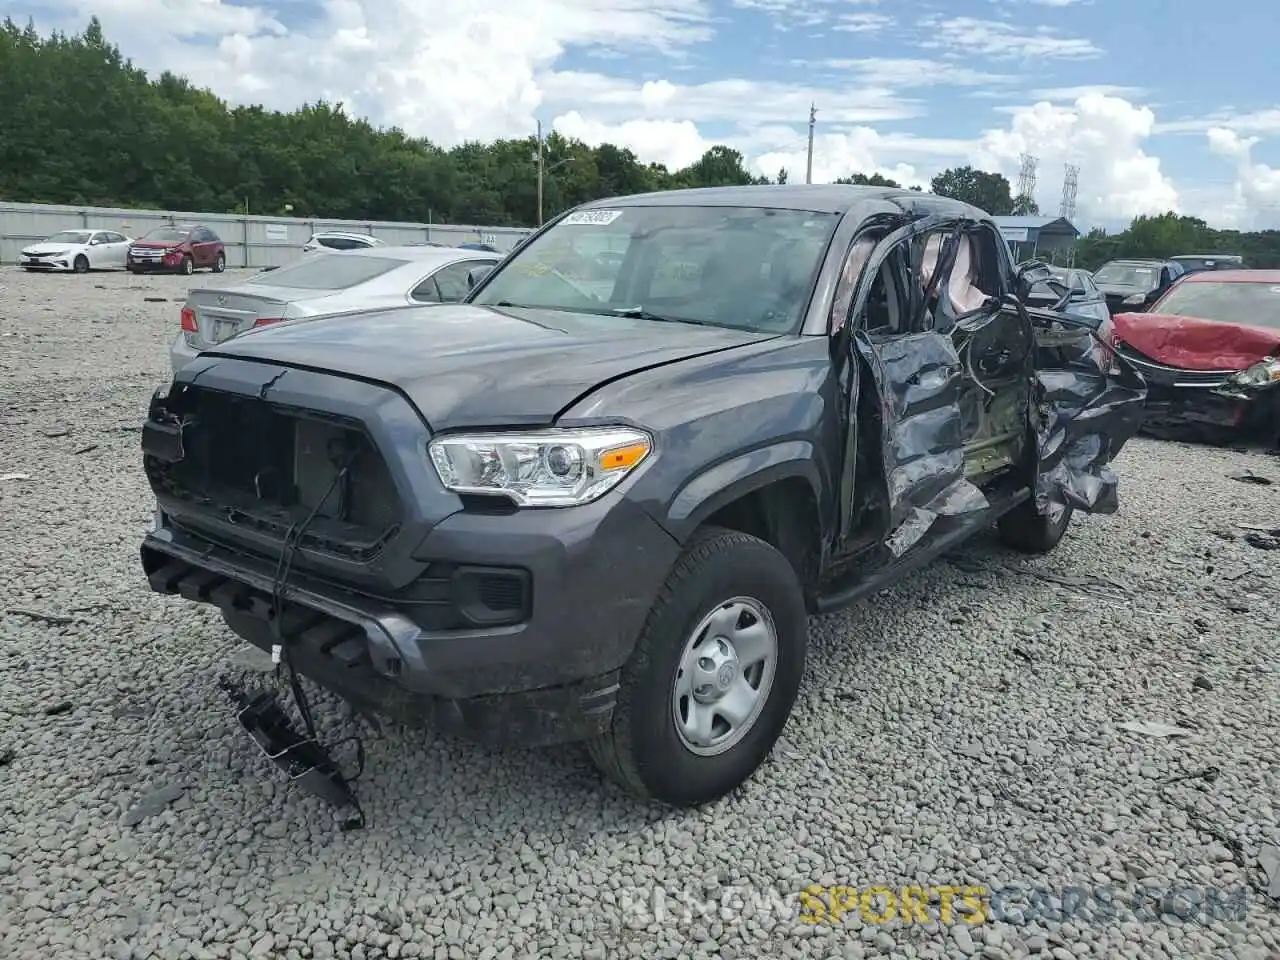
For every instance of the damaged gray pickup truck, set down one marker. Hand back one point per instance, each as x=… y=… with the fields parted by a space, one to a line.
x=596 y=500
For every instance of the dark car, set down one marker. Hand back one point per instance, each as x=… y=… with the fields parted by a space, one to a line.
x=182 y=249
x=601 y=509
x=1210 y=353
x=1133 y=285
x=1196 y=262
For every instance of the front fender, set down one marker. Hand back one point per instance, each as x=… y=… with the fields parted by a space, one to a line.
x=722 y=483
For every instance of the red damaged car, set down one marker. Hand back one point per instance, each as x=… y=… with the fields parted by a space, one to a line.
x=1210 y=352
x=181 y=249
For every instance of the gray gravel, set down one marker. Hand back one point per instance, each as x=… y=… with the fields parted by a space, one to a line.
x=961 y=728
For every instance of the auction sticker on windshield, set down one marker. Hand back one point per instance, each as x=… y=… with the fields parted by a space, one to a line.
x=593 y=218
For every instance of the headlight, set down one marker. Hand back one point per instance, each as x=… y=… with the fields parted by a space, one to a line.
x=1260 y=374
x=541 y=468
x=1134 y=299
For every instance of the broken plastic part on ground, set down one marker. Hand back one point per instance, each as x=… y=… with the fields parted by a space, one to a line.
x=307 y=763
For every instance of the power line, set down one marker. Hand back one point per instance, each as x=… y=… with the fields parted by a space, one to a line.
x=808 y=167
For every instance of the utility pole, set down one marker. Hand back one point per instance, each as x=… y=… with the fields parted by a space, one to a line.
x=538 y=158
x=808 y=167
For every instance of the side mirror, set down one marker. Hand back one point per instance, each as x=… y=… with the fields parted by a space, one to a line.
x=476 y=274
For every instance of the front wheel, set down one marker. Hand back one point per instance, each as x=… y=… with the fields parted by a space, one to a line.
x=220 y=264
x=714 y=674
x=188 y=266
x=1027 y=531
x=81 y=264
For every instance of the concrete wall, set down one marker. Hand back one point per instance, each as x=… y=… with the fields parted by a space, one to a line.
x=251 y=241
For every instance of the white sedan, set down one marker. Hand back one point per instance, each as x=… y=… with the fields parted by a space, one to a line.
x=78 y=250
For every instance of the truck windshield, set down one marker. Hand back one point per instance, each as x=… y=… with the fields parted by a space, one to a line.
x=745 y=267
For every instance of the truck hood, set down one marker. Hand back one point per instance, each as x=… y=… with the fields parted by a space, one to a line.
x=472 y=366
x=1192 y=343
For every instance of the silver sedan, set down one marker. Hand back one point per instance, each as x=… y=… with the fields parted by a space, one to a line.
x=323 y=283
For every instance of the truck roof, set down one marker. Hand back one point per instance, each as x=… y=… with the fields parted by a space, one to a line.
x=817 y=197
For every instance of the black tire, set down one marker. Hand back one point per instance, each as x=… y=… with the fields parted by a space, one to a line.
x=188 y=266
x=643 y=752
x=81 y=264
x=1025 y=530
x=220 y=264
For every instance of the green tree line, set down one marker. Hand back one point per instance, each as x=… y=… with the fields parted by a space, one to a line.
x=80 y=124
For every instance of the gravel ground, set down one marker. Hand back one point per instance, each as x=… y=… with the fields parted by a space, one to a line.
x=959 y=729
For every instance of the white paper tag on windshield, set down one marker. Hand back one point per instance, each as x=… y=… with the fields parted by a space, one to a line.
x=592 y=218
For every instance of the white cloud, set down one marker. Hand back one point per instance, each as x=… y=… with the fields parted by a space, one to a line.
x=1257 y=122
x=449 y=69
x=734 y=101
x=839 y=155
x=675 y=143
x=862 y=22
x=1072 y=94
x=1104 y=135
x=971 y=37
x=906 y=73
x=455 y=70
x=790 y=14
x=1257 y=187
x=1044 y=3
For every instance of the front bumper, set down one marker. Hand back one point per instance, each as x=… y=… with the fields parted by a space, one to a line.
x=509 y=626
x=54 y=264
x=1206 y=403
x=550 y=679
x=153 y=266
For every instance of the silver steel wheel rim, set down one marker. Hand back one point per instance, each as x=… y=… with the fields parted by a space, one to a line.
x=724 y=676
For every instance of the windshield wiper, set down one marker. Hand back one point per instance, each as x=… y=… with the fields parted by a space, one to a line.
x=640 y=313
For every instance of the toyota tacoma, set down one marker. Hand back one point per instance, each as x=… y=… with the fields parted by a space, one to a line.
x=597 y=500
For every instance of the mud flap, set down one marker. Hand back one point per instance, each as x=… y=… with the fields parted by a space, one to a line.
x=918 y=378
x=1082 y=417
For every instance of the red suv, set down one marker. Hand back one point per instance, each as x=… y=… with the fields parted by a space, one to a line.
x=177 y=249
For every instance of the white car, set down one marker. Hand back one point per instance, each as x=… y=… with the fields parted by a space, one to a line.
x=78 y=250
x=341 y=240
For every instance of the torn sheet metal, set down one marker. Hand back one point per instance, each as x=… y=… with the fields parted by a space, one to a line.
x=918 y=379
x=1083 y=417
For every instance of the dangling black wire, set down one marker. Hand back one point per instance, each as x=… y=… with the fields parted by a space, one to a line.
x=292 y=543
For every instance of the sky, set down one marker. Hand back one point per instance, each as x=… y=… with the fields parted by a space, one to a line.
x=1161 y=106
